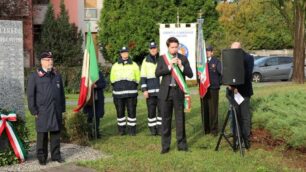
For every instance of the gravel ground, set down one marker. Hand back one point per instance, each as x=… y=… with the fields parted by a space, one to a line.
x=70 y=152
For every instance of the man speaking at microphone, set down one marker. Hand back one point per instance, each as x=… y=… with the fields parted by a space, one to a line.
x=173 y=67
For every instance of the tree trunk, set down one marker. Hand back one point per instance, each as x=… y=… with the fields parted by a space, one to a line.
x=299 y=45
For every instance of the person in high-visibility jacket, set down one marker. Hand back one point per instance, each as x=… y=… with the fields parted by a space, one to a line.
x=150 y=88
x=124 y=77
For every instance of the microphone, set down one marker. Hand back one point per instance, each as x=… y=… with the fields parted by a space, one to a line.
x=175 y=57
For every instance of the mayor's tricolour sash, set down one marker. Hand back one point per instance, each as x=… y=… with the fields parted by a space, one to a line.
x=177 y=75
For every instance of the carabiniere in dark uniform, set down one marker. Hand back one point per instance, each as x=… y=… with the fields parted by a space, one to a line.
x=46 y=101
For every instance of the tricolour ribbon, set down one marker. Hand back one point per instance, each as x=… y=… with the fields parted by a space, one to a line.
x=5 y=124
x=180 y=80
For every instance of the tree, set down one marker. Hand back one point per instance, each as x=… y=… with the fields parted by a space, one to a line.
x=135 y=23
x=257 y=24
x=61 y=38
x=70 y=40
x=189 y=10
x=293 y=12
x=47 y=37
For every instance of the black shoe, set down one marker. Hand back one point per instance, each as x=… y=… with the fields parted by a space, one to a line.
x=122 y=133
x=247 y=144
x=132 y=131
x=164 y=151
x=153 y=131
x=42 y=162
x=122 y=130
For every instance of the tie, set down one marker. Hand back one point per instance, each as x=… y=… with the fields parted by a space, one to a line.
x=172 y=82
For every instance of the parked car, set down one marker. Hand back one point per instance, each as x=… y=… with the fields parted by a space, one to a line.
x=258 y=57
x=272 y=68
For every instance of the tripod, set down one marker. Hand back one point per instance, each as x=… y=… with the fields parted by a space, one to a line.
x=237 y=131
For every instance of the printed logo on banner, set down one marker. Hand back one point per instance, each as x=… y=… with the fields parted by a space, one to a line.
x=183 y=50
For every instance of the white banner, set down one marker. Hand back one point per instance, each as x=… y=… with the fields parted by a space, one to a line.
x=187 y=38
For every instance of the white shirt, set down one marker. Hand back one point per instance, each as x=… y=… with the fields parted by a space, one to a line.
x=209 y=58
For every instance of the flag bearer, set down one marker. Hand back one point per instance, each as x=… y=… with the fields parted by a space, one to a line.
x=211 y=99
x=124 y=78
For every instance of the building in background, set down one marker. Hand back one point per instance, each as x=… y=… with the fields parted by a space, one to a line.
x=80 y=13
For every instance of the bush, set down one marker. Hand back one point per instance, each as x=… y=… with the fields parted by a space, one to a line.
x=75 y=128
x=282 y=114
x=8 y=157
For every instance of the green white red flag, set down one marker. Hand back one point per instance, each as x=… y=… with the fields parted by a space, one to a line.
x=90 y=73
x=201 y=61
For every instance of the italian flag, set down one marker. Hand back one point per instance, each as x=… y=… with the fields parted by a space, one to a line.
x=90 y=73
x=202 y=66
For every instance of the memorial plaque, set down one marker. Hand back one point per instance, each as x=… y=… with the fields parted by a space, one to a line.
x=11 y=69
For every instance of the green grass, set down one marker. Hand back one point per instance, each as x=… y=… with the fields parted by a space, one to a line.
x=142 y=152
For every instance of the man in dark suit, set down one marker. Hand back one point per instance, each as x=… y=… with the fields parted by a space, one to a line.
x=211 y=99
x=246 y=90
x=171 y=97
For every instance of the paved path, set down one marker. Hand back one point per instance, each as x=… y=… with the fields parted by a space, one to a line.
x=68 y=167
x=70 y=152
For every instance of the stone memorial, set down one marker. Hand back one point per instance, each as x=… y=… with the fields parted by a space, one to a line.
x=11 y=70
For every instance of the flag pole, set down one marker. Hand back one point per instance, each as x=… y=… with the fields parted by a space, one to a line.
x=94 y=112
x=200 y=22
x=93 y=96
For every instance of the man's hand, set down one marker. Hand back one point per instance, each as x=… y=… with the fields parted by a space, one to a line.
x=95 y=86
x=146 y=94
x=173 y=61
x=179 y=63
x=233 y=89
x=36 y=116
